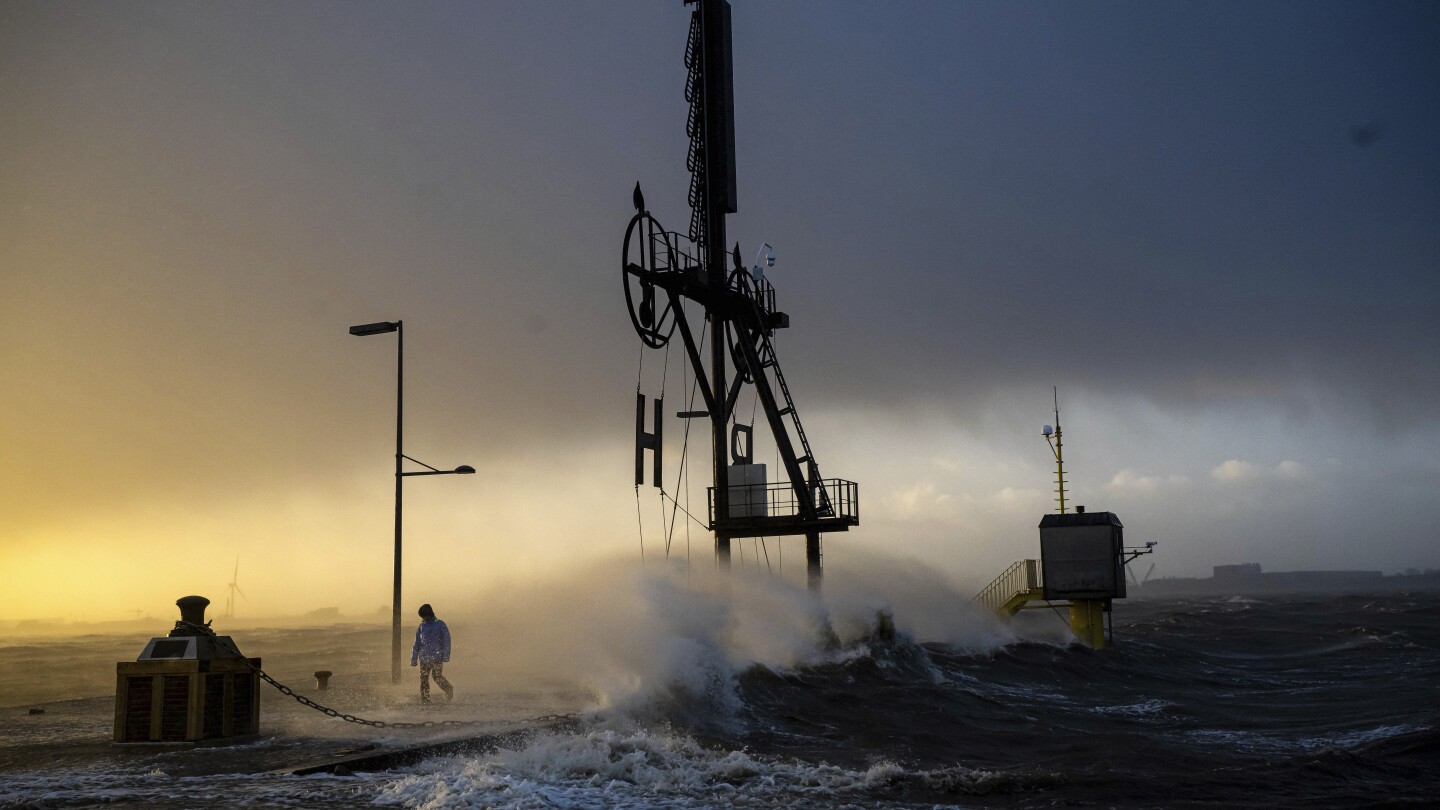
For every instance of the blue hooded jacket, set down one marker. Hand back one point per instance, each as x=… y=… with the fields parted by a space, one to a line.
x=432 y=642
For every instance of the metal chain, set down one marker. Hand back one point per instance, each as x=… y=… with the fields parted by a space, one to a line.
x=327 y=711
x=350 y=718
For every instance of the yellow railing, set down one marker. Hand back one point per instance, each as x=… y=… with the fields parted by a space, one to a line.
x=1019 y=583
x=1019 y=586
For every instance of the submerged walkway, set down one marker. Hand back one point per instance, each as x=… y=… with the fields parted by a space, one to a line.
x=293 y=739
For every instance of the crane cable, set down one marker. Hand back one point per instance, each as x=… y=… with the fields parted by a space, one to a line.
x=639 y=516
x=684 y=455
x=760 y=541
x=664 y=381
x=684 y=472
x=639 y=521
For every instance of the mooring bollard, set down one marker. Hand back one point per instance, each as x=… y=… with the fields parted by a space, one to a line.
x=322 y=680
x=190 y=685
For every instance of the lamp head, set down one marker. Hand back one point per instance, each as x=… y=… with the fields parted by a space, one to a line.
x=1047 y=431
x=380 y=328
x=465 y=469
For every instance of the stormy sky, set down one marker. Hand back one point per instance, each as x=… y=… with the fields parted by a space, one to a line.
x=1213 y=226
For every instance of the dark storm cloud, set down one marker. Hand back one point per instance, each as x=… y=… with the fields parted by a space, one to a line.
x=1160 y=199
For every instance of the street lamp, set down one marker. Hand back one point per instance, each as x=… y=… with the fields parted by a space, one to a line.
x=380 y=328
x=463 y=469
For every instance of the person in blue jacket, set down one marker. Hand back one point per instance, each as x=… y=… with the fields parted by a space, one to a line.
x=431 y=652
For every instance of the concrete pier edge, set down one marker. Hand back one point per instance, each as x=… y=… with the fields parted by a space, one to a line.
x=404 y=757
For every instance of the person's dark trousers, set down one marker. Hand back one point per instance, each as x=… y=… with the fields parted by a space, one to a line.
x=427 y=668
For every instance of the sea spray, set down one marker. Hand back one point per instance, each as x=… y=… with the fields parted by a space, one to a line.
x=661 y=642
x=924 y=604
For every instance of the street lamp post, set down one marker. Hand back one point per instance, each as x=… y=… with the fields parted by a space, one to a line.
x=380 y=328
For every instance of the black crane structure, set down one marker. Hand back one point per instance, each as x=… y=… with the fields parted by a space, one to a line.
x=663 y=270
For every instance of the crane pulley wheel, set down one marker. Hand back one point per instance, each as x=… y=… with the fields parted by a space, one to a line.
x=646 y=254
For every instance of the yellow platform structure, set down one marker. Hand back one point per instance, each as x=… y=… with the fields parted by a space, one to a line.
x=1081 y=565
x=1087 y=621
x=1019 y=588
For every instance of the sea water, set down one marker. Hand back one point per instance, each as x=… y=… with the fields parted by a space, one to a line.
x=761 y=696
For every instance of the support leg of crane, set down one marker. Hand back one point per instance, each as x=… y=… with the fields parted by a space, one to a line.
x=812 y=560
x=722 y=552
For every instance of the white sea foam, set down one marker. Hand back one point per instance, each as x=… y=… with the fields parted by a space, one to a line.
x=1255 y=742
x=89 y=787
x=1145 y=708
x=614 y=763
x=617 y=766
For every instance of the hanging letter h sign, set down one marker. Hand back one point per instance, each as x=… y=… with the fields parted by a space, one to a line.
x=647 y=441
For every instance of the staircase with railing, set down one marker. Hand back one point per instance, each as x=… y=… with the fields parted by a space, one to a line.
x=1014 y=589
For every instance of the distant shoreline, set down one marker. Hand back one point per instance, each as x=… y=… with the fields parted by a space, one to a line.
x=1256 y=583
x=149 y=626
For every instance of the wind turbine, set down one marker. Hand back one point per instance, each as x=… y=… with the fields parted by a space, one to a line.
x=234 y=587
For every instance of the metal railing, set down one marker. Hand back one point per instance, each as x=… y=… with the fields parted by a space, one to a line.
x=1019 y=578
x=759 y=290
x=779 y=500
x=673 y=252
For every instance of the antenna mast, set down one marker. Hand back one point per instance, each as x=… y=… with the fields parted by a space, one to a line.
x=1058 y=448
